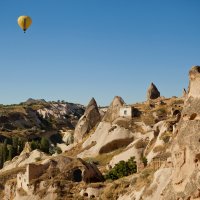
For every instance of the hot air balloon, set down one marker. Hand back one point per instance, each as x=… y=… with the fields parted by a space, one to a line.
x=24 y=22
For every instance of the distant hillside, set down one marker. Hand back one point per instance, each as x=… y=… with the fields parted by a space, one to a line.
x=33 y=117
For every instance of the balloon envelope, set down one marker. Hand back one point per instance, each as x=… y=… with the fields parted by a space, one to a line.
x=24 y=22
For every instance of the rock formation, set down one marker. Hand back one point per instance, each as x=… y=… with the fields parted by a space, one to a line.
x=113 y=110
x=108 y=135
x=164 y=139
x=24 y=159
x=88 y=121
x=106 y=138
x=27 y=148
x=57 y=170
x=152 y=92
x=185 y=176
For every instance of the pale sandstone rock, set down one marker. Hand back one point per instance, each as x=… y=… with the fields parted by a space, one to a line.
x=134 y=195
x=63 y=147
x=88 y=121
x=107 y=138
x=114 y=109
x=185 y=149
x=68 y=137
x=27 y=148
x=131 y=150
x=160 y=181
x=91 y=192
x=127 y=154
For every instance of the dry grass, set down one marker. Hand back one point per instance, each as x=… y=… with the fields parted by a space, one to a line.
x=166 y=136
x=163 y=155
x=12 y=108
x=149 y=191
x=148 y=119
x=151 y=145
x=12 y=172
x=159 y=148
x=145 y=178
x=115 y=189
x=21 y=192
x=140 y=144
x=96 y=185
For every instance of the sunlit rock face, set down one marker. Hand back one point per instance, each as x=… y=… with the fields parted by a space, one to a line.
x=194 y=89
x=185 y=178
x=88 y=121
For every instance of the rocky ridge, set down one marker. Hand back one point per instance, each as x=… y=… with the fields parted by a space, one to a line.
x=163 y=137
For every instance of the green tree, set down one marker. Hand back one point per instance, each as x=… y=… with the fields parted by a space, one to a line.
x=35 y=145
x=21 y=144
x=44 y=145
x=5 y=150
x=1 y=156
x=145 y=161
x=10 y=152
x=58 y=150
x=122 y=169
x=15 y=141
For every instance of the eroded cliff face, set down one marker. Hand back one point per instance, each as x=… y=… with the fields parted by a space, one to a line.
x=185 y=178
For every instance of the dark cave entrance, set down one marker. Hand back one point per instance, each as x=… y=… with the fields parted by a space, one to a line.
x=77 y=175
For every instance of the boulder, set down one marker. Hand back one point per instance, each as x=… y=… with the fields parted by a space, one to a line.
x=152 y=92
x=88 y=121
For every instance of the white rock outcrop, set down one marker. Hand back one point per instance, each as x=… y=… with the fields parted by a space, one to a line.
x=107 y=138
x=23 y=159
x=88 y=121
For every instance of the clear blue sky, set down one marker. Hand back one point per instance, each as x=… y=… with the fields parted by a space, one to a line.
x=78 y=49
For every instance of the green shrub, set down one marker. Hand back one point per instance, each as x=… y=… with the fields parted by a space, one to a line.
x=145 y=161
x=10 y=152
x=35 y=145
x=54 y=149
x=122 y=169
x=44 y=144
x=58 y=150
